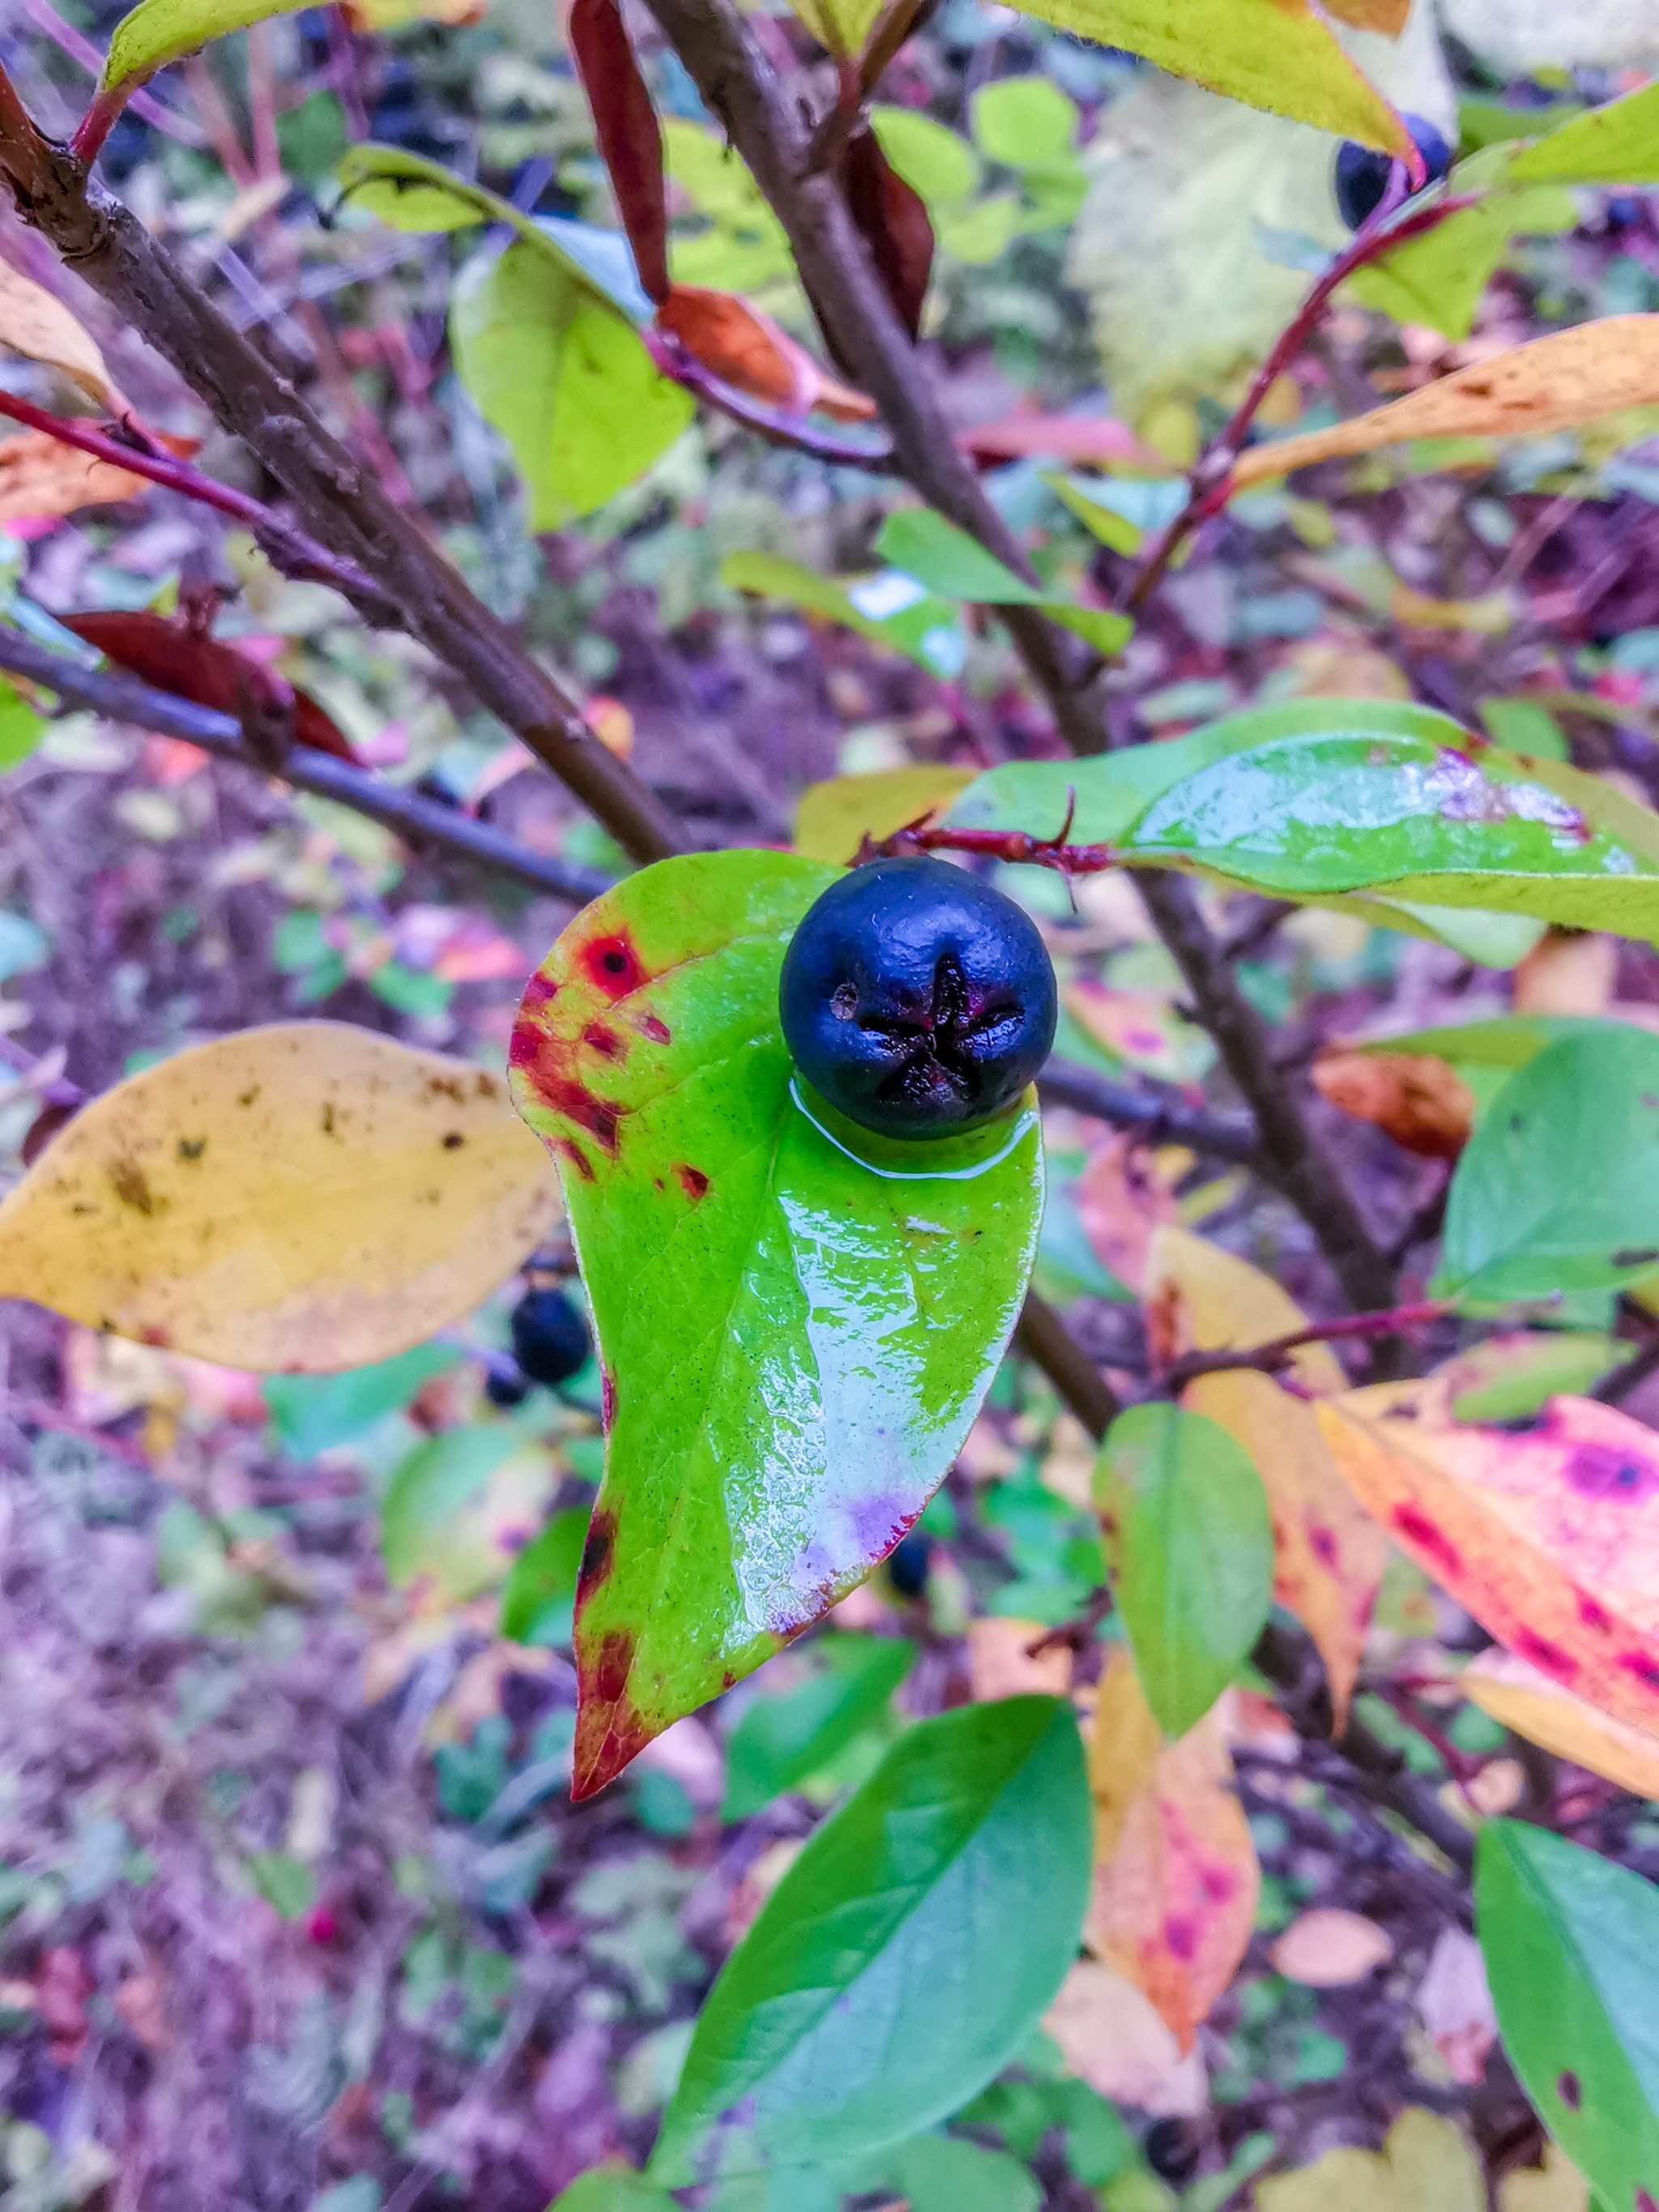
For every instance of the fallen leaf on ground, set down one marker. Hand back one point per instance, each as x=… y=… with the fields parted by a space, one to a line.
x=1111 y=2037
x=1175 y=1872
x=1549 y=1537
x=1002 y=1665
x=1327 y=1948
x=1420 y=1102
x=1554 y=383
x=305 y=1197
x=1524 y=1699
x=1328 y=1553
x=1455 y=2006
x=1427 y=2164
x=1555 y=2186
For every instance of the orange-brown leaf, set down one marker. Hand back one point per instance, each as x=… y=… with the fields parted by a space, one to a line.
x=1176 y=1873
x=1550 y=1538
x=39 y=477
x=1329 y=1553
x=748 y=351
x=1420 y=1102
x=1389 y=17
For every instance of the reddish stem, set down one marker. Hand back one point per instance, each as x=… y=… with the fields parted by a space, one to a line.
x=304 y=558
x=1268 y=1359
x=100 y=119
x=1017 y=846
x=1211 y=482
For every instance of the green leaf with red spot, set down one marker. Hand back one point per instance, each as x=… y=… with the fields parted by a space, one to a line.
x=797 y=1320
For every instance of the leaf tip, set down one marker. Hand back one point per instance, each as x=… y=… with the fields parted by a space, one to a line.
x=611 y=1731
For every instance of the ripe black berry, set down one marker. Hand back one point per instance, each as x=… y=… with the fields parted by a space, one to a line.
x=907 y=1563
x=1363 y=174
x=1173 y=2150
x=504 y=1389
x=550 y=1338
x=916 y=998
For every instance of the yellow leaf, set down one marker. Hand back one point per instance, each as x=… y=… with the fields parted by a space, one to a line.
x=1176 y=1873
x=1549 y=1537
x=1553 y=383
x=1523 y=1697
x=35 y=323
x=1555 y=2186
x=1425 y=2165
x=833 y=818
x=842 y=26
x=391 y=14
x=1329 y=1553
x=303 y=1198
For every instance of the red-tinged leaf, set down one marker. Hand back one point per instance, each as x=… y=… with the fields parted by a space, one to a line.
x=747 y=349
x=203 y=670
x=1073 y=437
x=1550 y=1538
x=1414 y=1097
x=1175 y=1872
x=893 y=220
x=630 y=138
x=1329 y=1554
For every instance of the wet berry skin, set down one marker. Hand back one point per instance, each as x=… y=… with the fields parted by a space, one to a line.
x=907 y=1563
x=550 y=1338
x=916 y=998
x=1363 y=174
x=505 y=1390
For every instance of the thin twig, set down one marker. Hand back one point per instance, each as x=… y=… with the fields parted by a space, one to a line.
x=1270 y=1358
x=123 y=698
x=775 y=424
x=1159 y=1121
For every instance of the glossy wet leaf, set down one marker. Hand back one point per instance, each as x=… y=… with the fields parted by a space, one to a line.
x=1555 y=383
x=1414 y=818
x=905 y=1957
x=306 y=1196
x=566 y=379
x=1192 y=1551
x=1276 y=54
x=833 y=819
x=158 y=32
x=1328 y=1553
x=945 y=560
x=784 y=1737
x=1523 y=1697
x=797 y=1322
x=1549 y=1537
x=888 y=608
x=1175 y=1879
x=1557 y=1189
x=1571 y=1947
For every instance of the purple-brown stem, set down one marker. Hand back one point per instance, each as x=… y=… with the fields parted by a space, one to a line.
x=1268 y=1358
x=775 y=423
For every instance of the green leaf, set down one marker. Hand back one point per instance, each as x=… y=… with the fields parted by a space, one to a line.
x=1557 y=1189
x=889 y=609
x=314 y=1413
x=1617 y=143
x=22 y=726
x=939 y=2173
x=1436 y=817
x=1023 y=120
x=947 y=561
x=158 y=32
x=1440 y=279
x=905 y=1956
x=288 y=1883
x=797 y=1320
x=781 y=1739
x=566 y=379
x=1103 y=521
x=539 y=1595
x=933 y=160
x=1276 y=54
x=1571 y=1946
x=612 y=2187
x=430 y=1487
x=1191 y=1542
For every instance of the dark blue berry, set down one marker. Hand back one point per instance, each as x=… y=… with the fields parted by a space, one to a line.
x=1173 y=2149
x=550 y=1337
x=1363 y=174
x=907 y=1563
x=504 y=1389
x=917 y=999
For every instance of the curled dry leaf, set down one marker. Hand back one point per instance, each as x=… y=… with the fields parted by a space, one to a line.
x=307 y=1197
x=207 y=670
x=1329 y=1553
x=1422 y=1104
x=1523 y=1697
x=40 y=327
x=892 y=218
x=747 y=349
x=1550 y=1538
x=1176 y=1873
x=1555 y=383
x=1328 y=1948
x=40 y=477
x=1002 y=1663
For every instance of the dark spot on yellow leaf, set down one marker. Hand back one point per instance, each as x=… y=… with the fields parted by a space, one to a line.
x=453 y=1140
x=131 y=1187
x=247 y=1097
x=192 y=1148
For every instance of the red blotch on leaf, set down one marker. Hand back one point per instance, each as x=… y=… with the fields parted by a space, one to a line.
x=694 y=1181
x=1617 y=1477
x=607 y=1399
x=1417 y=1529
x=1179 y=1939
x=609 y=1731
x=604 y=1042
x=611 y=965
x=1594 y=1616
x=1542 y=1653
x=1322 y=1544
x=1643 y=1665
x=577 y=1158
x=658 y=1031
x=598 y=1553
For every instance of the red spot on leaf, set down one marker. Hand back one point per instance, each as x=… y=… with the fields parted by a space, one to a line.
x=1179 y=1938
x=609 y=1730
x=598 y=1555
x=1644 y=2201
x=658 y=1031
x=1570 y=2090
x=1594 y=1616
x=1598 y=1471
x=1643 y=1665
x=1542 y=1653
x=539 y=994
x=694 y=1181
x=607 y=1398
x=1323 y=1546
x=1218 y=1884
x=611 y=965
x=577 y=1158
x=1417 y=1529
x=604 y=1042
